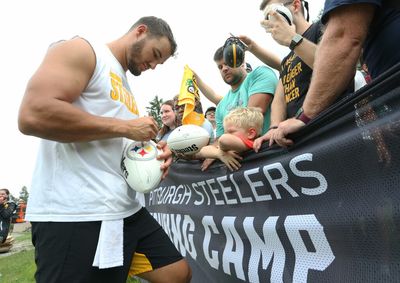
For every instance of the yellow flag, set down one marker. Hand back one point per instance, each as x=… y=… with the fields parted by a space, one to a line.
x=190 y=97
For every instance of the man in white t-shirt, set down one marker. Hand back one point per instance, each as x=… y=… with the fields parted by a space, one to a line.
x=87 y=225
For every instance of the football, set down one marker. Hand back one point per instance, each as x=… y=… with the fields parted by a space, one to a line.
x=140 y=167
x=188 y=139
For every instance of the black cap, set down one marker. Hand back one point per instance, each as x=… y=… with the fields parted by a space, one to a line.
x=212 y=108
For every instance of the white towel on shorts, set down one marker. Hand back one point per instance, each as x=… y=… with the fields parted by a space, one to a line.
x=109 y=252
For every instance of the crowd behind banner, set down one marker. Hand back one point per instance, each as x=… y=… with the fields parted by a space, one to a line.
x=325 y=210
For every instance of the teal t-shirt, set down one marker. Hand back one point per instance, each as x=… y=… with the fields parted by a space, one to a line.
x=260 y=80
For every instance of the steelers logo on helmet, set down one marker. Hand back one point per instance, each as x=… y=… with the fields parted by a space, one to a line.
x=141 y=151
x=233 y=52
x=140 y=166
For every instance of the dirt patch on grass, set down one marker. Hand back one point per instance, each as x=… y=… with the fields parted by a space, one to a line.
x=22 y=240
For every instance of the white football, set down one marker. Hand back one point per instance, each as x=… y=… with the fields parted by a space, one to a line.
x=188 y=139
x=140 y=167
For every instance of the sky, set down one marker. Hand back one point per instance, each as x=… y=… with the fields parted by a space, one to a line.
x=28 y=27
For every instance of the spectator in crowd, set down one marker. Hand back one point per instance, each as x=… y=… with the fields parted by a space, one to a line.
x=210 y=116
x=7 y=209
x=296 y=68
x=179 y=110
x=254 y=89
x=80 y=104
x=365 y=72
x=210 y=93
x=242 y=125
x=352 y=26
x=168 y=119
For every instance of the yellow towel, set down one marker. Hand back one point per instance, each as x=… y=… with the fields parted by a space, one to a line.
x=189 y=96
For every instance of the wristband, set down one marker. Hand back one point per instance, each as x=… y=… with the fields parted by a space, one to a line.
x=273 y=128
x=302 y=117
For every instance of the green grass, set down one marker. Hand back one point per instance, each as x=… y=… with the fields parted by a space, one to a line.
x=25 y=236
x=132 y=280
x=19 y=267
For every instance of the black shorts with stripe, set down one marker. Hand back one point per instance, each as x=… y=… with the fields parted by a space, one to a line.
x=64 y=251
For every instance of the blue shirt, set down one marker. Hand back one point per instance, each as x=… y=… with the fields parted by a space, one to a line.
x=260 y=80
x=381 y=45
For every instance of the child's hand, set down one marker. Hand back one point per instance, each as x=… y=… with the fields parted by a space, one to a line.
x=230 y=158
x=207 y=163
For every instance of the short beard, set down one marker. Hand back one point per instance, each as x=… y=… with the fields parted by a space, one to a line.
x=235 y=79
x=135 y=51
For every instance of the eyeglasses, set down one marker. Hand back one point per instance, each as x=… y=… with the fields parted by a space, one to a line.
x=210 y=112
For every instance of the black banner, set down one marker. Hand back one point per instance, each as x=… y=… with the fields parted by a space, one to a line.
x=325 y=210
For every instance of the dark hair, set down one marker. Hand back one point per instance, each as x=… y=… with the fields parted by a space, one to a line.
x=219 y=54
x=211 y=108
x=158 y=28
x=164 y=129
x=6 y=190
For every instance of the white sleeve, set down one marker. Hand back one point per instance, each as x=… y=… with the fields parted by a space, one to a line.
x=208 y=127
x=359 y=81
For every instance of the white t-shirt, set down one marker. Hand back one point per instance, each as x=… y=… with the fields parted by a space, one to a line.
x=82 y=181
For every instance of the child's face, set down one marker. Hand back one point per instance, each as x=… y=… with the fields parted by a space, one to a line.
x=231 y=128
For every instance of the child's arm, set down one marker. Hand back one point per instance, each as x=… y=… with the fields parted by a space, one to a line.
x=228 y=142
x=230 y=158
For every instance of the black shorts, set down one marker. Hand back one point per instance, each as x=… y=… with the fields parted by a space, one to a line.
x=64 y=251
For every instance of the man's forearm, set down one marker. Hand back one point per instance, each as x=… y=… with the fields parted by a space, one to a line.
x=306 y=51
x=266 y=56
x=278 y=106
x=336 y=58
x=208 y=92
x=64 y=122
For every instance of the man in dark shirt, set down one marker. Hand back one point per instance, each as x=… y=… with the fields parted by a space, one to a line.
x=295 y=69
x=371 y=25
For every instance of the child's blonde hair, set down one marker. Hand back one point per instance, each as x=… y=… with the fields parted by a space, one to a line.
x=246 y=118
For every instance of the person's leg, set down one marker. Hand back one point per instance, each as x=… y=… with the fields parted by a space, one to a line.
x=155 y=258
x=64 y=252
